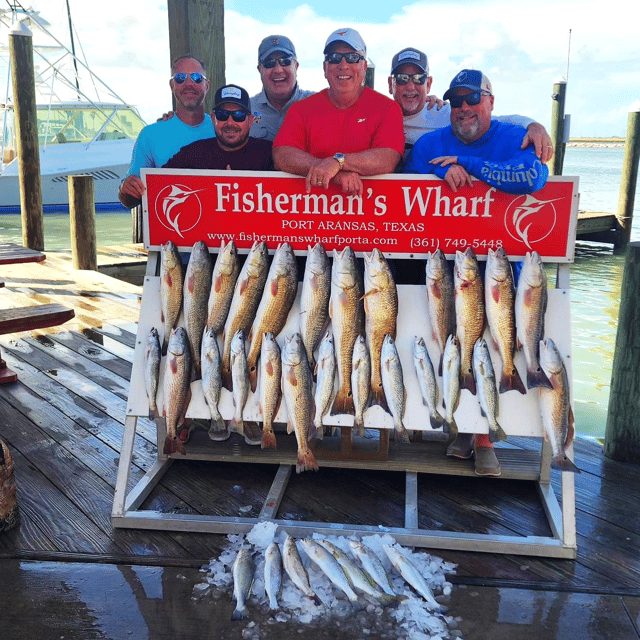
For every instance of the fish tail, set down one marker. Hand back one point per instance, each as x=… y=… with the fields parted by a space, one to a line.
x=227 y=380
x=165 y=346
x=562 y=462
x=268 y=439
x=239 y=613
x=306 y=461
x=253 y=376
x=440 y=365
x=359 y=425
x=153 y=413
x=497 y=434
x=317 y=430
x=343 y=402
x=511 y=381
x=316 y=600
x=451 y=427
x=173 y=445
x=467 y=381
x=378 y=397
x=401 y=434
x=237 y=425
x=537 y=378
x=436 y=420
x=218 y=430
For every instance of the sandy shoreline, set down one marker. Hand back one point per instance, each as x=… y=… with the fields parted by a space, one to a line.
x=592 y=144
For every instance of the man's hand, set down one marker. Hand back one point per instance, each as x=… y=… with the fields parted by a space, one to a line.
x=165 y=116
x=132 y=187
x=434 y=101
x=538 y=137
x=321 y=173
x=457 y=175
x=349 y=182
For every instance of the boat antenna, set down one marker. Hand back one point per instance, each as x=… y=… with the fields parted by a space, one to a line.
x=568 y=53
x=73 y=49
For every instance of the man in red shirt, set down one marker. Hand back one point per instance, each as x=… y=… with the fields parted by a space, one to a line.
x=345 y=131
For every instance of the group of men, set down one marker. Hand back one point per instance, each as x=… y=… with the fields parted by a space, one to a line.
x=345 y=132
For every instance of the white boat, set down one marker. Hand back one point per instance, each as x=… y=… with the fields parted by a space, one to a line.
x=78 y=133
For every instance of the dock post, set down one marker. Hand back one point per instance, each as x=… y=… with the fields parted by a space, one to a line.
x=622 y=434
x=82 y=223
x=27 y=145
x=626 y=197
x=557 y=126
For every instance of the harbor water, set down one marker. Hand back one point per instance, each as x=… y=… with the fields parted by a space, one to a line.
x=596 y=276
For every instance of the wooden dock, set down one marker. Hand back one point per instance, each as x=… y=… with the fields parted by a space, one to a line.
x=63 y=421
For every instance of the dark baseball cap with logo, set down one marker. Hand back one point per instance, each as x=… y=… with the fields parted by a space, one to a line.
x=231 y=93
x=469 y=79
x=410 y=56
x=271 y=44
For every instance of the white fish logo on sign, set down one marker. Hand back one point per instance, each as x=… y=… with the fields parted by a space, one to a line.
x=171 y=206
x=518 y=220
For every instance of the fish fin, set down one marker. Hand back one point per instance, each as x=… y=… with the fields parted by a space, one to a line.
x=173 y=445
x=239 y=614
x=306 y=461
x=562 y=462
x=343 y=403
x=253 y=377
x=440 y=366
x=165 y=346
x=227 y=379
x=436 y=420
x=316 y=600
x=467 y=381
x=268 y=440
x=482 y=412
x=537 y=378
x=289 y=427
x=498 y=434
x=511 y=382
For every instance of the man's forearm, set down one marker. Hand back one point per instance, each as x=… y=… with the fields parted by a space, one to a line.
x=372 y=162
x=293 y=160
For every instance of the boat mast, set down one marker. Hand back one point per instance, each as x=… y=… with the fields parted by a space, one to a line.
x=73 y=49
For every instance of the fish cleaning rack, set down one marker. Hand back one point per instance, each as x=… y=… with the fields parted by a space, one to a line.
x=425 y=454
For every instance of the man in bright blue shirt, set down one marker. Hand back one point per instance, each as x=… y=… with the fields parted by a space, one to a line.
x=475 y=145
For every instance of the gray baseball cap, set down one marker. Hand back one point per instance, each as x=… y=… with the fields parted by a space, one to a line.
x=410 y=56
x=350 y=37
x=271 y=44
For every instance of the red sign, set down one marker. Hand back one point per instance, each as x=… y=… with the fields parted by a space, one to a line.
x=403 y=215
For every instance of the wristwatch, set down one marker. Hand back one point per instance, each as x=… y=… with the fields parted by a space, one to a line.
x=340 y=158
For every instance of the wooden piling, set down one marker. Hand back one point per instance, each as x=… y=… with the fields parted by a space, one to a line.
x=82 y=223
x=27 y=146
x=557 y=126
x=626 y=198
x=622 y=435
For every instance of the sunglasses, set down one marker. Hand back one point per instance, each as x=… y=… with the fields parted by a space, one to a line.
x=283 y=62
x=471 y=99
x=418 y=78
x=181 y=78
x=336 y=58
x=222 y=115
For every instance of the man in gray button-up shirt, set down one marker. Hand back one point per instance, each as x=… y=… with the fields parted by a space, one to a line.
x=278 y=69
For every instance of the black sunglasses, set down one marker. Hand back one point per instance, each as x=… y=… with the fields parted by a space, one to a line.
x=181 y=78
x=336 y=58
x=471 y=99
x=222 y=115
x=418 y=78
x=284 y=62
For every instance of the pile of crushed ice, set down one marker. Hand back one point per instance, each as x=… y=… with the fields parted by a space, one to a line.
x=412 y=617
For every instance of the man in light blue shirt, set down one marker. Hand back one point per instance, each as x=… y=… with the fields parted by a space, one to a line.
x=160 y=141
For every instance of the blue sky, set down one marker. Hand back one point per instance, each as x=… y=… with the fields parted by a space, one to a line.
x=521 y=46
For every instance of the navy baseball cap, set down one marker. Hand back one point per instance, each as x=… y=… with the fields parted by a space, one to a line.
x=271 y=44
x=469 y=79
x=234 y=94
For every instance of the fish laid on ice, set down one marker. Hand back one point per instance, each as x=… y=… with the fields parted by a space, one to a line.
x=358 y=577
x=295 y=569
x=152 y=356
x=451 y=383
x=223 y=282
x=240 y=377
x=314 y=298
x=372 y=565
x=555 y=407
x=212 y=384
x=360 y=382
x=243 y=569
x=245 y=301
x=393 y=384
x=196 y=289
x=270 y=388
x=347 y=319
x=487 y=391
x=440 y=299
x=171 y=282
x=277 y=299
x=499 y=296
x=298 y=398
x=380 y=314
x=329 y=566
x=325 y=378
x=469 y=301
x=273 y=574
x=530 y=307
x=176 y=388
x=427 y=382
x=410 y=573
